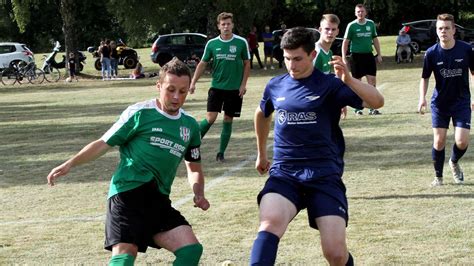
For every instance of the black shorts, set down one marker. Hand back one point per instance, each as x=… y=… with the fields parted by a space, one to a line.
x=135 y=216
x=363 y=65
x=227 y=100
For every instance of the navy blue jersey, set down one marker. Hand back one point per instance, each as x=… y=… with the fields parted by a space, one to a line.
x=451 y=71
x=308 y=142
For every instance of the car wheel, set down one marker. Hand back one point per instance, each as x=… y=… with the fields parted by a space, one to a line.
x=163 y=59
x=416 y=46
x=130 y=62
x=98 y=64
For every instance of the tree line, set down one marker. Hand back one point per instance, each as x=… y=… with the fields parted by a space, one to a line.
x=79 y=24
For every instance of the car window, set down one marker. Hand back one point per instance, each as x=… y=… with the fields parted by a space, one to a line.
x=198 y=40
x=7 y=49
x=25 y=48
x=422 y=25
x=178 y=40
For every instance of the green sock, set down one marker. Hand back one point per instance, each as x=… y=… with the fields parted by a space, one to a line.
x=122 y=260
x=188 y=255
x=225 y=136
x=204 y=126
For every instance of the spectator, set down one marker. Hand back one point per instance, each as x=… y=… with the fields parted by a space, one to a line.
x=403 y=45
x=253 y=45
x=268 y=39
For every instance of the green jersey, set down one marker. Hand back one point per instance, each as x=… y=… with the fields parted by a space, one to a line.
x=322 y=59
x=227 y=61
x=361 y=36
x=152 y=144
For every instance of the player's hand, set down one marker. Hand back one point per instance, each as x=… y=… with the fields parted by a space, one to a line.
x=262 y=165
x=340 y=68
x=422 y=106
x=61 y=170
x=344 y=112
x=192 y=88
x=379 y=59
x=242 y=91
x=201 y=202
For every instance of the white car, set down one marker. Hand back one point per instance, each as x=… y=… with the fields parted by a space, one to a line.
x=14 y=52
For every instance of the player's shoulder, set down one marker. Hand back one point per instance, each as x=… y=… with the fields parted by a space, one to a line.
x=369 y=21
x=352 y=23
x=187 y=116
x=239 y=38
x=464 y=45
x=143 y=105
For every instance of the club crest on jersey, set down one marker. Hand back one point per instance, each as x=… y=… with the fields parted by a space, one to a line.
x=367 y=28
x=232 y=48
x=282 y=117
x=184 y=133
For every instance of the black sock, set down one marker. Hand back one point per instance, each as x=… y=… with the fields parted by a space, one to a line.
x=438 y=161
x=457 y=153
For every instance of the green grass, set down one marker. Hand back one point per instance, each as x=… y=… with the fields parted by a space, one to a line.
x=395 y=217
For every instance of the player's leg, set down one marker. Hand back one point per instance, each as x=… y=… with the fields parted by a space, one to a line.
x=356 y=68
x=332 y=230
x=214 y=106
x=232 y=108
x=462 y=127
x=275 y=214
x=123 y=254
x=328 y=212
x=438 y=154
x=183 y=243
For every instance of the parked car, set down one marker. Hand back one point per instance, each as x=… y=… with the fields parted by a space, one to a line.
x=181 y=45
x=336 y=47
x=14 y=53
x=423 y=33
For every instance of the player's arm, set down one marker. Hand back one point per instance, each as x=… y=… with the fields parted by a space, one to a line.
x=197 y=74
x=196 y=181
x=370 y=96
x=423 y=89
x=89 y=153
x=243 y=85
x=262 y=129
x=377 y=49
x=344 y=49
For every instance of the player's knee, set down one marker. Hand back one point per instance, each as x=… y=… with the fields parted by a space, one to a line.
x=336 y=256
x=188 y=255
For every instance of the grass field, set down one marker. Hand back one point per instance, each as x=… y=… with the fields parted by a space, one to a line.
x=395 y=217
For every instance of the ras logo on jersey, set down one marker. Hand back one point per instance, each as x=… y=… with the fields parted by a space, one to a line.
x=233 y=48
x=296 y=118
x=184 y=133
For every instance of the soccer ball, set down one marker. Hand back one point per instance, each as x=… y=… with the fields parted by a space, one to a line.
x=228 y=263
x=68 y=79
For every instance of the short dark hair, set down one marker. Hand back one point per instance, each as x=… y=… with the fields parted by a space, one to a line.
x=446 y=17
x=361 y=6
x=298 y=37
x=223 y=16
x=175 y=67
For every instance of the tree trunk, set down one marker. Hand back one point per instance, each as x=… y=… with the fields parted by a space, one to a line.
x=69 y=12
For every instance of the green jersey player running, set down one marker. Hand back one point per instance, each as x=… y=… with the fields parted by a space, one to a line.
x=230 y=70
x=153 y=136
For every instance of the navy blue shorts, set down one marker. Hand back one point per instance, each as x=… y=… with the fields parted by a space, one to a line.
x=363 y=65
x=137 y=215
x=321 y=197
x=227 y=100
x=461 y=118
x=268 y=50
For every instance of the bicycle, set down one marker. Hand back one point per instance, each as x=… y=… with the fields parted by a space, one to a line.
x=20 y=72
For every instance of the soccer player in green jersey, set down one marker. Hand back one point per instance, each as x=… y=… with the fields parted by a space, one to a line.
x=362 y=34
x=154 y=136
x=328 y=29
x=230 y=70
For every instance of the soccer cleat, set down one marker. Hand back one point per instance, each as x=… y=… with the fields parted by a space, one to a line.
x=438 y=181
x=220 y=157
x=374 y=112
x=358 y=112
x=458 y=175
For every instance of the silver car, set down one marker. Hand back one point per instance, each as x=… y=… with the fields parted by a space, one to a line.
x=14 y=53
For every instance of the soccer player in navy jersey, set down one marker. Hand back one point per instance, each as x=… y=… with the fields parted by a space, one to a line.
x=308 y=149
x=450 y=60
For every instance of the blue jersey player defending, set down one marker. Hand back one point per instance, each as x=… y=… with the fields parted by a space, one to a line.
x=308 y=149
x=450 y=61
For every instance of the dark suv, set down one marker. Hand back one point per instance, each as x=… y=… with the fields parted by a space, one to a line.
x=181 y=45
x=423 y=34
x=336 y=47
